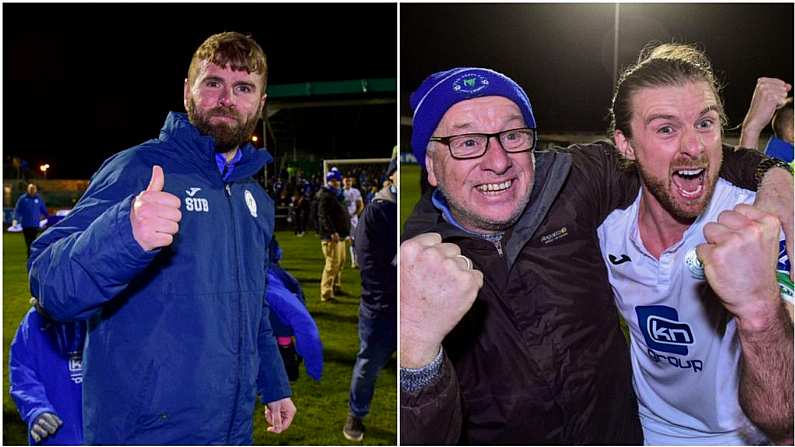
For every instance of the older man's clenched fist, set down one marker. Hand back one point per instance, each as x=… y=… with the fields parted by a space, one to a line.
x=438 y=286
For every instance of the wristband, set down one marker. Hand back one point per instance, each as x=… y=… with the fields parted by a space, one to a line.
x=768 y=164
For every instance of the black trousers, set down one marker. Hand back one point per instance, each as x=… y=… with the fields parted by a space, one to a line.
x=30 y=235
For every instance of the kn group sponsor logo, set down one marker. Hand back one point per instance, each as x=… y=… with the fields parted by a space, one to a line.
x=665 y=334
x=662 y=329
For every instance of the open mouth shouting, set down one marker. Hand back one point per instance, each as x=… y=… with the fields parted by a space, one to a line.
x=689 y=183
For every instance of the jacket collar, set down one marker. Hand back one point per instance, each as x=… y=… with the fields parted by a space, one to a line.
x=201 y=148
x=551 y=171
x=386 y=194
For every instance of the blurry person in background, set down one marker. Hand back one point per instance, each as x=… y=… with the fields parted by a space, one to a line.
x=46 y=376
x=770 y=105
x=299 y=210
x=376 y=250
x=333 y=227
x=355 y=205
x=371 y=191
x=29 y=212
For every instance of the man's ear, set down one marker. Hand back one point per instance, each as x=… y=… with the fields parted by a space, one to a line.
x=624 y=145
x=432 y=180
x=186 y=94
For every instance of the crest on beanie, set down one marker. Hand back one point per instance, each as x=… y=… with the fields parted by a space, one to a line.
x=470 y=83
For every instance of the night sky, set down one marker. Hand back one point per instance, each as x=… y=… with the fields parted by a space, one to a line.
x=562 y=54
x=82 y=82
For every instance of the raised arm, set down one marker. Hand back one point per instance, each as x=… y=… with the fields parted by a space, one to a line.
x=771 y=179
x=739 y=263
x=776 y=197
x=437 y=288
x=769 y=95
x=92 y=255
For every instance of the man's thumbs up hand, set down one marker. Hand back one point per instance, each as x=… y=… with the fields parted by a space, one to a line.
x=155 y=214
x=158 y=179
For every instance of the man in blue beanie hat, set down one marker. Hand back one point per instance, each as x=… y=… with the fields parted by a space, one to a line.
x=509 y=334
x=333 y=226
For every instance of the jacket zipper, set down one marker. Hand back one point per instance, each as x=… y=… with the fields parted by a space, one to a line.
x=498 y=245
x=228 y=193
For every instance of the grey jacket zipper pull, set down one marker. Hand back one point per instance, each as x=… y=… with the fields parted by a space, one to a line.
x=498 y=244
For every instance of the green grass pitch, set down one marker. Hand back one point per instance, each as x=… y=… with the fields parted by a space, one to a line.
x=322 y=406
x=409 y=190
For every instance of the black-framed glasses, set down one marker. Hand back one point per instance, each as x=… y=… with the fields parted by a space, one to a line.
x=474 y=145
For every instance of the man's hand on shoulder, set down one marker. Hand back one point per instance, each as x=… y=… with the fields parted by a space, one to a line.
x=437 y=288
x=279 y=414
x=155 y=214
x=739 y=259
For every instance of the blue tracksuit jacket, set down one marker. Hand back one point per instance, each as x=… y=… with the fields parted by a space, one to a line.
x=291 y=317
x=779 y=148
x=30 y=210
x=179 y=337
x=45 y=375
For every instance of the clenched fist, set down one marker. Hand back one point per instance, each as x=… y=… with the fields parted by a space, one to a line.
x=437 y=287
x=155 y=214
x=739 y=260
x=769 y=95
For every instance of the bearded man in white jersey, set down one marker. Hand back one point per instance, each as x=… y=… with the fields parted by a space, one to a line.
x=712 y=343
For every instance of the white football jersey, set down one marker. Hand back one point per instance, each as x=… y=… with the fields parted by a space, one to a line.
x=351 y=197
x=685 y=351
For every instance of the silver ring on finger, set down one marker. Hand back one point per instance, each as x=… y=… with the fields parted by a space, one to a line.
x=468 y=261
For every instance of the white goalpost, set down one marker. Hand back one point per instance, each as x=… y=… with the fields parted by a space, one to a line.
x=328 y=164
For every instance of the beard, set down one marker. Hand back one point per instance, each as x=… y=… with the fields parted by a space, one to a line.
x=665 y=196
x=226 y=137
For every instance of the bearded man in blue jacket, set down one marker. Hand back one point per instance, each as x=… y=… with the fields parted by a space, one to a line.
x=166 y=257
